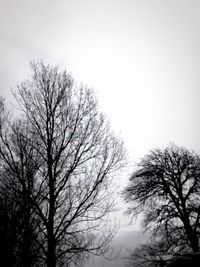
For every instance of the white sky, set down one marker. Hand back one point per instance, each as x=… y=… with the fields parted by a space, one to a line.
x=142 y=57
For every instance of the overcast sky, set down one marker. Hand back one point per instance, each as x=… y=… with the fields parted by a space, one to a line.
x=141 y=56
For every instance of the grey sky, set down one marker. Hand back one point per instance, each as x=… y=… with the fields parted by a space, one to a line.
x=142 y=57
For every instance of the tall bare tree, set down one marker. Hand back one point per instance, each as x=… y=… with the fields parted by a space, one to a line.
x=166 y=189
x=78 y=155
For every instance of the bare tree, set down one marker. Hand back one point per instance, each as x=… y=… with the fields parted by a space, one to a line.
x=78 y=155
x=166 y=189
x=18 y=163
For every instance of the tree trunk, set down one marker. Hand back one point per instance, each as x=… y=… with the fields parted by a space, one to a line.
x=194 y=243
x=192 y=237
x=51 y=257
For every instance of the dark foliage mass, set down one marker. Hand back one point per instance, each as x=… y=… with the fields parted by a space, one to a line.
x=165 y=189
x=56 y=165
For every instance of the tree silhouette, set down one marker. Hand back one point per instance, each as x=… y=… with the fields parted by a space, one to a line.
x=60 y=157
x=166 y=189
x=18 y=221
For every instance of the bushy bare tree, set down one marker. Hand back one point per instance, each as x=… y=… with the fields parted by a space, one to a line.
x=63 y=155
x=18 y=221
x=166 y=189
